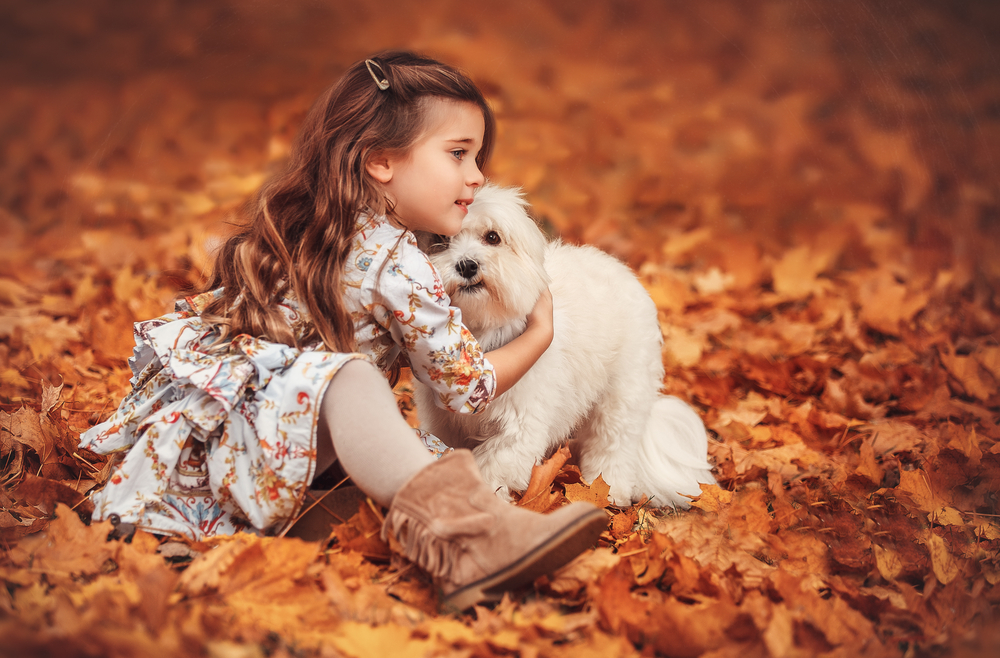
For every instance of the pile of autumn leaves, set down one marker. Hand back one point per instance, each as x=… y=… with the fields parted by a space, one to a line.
x=857 y=458
x=850 y=381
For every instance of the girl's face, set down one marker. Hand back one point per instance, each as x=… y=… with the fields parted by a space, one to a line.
x=431 y=186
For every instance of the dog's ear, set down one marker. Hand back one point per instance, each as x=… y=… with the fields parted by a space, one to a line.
x=431 y=243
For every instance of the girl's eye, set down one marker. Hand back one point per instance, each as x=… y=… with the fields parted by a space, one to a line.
x=458 y=153
x=492 y=238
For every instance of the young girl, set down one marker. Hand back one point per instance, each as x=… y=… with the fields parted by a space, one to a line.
x=254 y=386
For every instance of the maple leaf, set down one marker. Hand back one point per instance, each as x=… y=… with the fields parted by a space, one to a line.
x=916 y=487
x=66 y=548
x=970 y=374
x=713 y=498
x=595 y=493
x=809 y=276
x=795 y=274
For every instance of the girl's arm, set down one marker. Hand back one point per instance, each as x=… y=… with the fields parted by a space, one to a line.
x=514 y=359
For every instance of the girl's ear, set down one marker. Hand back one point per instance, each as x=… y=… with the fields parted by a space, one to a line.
x=379 y=167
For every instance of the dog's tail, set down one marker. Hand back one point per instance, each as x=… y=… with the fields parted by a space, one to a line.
x=673 y=455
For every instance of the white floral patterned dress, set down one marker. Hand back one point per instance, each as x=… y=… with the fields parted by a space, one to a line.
x=219 y=440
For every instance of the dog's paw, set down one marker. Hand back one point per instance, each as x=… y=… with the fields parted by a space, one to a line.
x=500 y=489
x=503 y=493
x=620 y=496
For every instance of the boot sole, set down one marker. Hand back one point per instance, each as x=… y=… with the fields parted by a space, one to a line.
x=563 y=546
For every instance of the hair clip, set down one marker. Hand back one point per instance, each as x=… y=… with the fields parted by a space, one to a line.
x=382 y=84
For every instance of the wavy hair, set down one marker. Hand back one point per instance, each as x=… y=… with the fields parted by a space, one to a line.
x=296 y=232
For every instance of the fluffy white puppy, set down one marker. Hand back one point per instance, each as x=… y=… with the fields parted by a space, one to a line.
x=597 y=384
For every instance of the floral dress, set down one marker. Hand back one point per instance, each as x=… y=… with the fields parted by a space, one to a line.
x=222 y=438
x=399 y=306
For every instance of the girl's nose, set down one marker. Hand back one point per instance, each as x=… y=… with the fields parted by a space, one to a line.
x=477 y=178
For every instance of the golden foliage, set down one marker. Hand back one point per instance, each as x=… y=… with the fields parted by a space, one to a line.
x=814 y=218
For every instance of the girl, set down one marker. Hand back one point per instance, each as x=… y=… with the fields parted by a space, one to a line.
x=254 y=386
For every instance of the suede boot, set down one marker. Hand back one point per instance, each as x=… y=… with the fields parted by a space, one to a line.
x=475 y=545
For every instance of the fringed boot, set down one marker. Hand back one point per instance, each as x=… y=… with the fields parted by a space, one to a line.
x=475 y=545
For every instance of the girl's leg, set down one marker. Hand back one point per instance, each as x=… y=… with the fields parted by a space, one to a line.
x=442 y=514
x=360 y=425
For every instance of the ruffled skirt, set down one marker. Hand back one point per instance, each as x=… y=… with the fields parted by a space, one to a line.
x=216 y=439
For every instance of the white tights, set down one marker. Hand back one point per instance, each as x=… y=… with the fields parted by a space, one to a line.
x=361 y=427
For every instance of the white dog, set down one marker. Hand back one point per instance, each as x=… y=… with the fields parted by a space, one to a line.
x=597 y=384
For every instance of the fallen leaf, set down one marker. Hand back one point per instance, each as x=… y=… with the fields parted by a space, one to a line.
x=595 y=493
x=539 y=496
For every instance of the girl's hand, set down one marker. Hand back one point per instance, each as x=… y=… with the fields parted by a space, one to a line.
x=541 y=314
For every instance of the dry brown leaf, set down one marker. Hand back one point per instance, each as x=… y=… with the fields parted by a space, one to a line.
x=818 y=245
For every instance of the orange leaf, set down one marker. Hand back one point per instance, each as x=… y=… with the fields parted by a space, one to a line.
x=67 y=547
x=867 y=465
x=539 y=496
x=916 y=485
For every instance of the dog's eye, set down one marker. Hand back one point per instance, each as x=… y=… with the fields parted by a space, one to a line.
x=492 y=238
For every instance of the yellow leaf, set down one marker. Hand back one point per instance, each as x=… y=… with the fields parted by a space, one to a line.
x=588 y=567
x=13 y=377
x=885 y=303
x=12 y=292
x=967 y=371
x=713 y=498
x=681 y=244
x=867 y=466
x=779 y=637
x=989 y=358
x=988 y=530
x=968 y=444
x=684 y=346
x=887 y=562
x=669 y=294
x=917 y=486
x=596 y=493
x=85 y=291
x=942 y=562
x=386 y=641
x=198 y=204
x=795 y=274
x=713 y=281
x=946 y=516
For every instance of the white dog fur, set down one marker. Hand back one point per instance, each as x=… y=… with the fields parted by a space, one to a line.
x=597 y=383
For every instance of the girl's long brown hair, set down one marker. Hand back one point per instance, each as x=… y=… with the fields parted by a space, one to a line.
x=297 y=230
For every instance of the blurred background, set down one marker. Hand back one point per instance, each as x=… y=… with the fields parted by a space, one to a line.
x=707 y=137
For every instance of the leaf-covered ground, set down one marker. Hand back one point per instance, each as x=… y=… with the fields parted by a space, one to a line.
x=808 y=190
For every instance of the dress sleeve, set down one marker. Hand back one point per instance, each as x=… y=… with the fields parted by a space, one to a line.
x=409 y=301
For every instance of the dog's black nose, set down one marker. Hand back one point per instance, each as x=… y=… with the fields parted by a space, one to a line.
x=467 y=268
